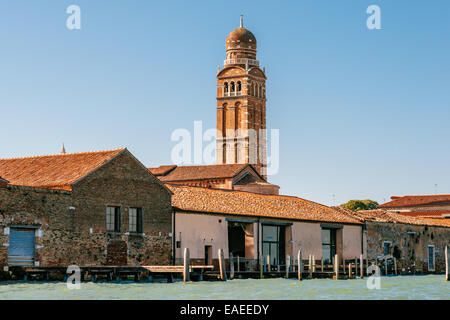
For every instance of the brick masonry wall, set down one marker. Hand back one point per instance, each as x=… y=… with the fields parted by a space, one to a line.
x=47 y=210
x=409 y=249
x=78 y=236
x=123 y=182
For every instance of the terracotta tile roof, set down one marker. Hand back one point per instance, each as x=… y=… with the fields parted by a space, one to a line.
x=53 y=171
x=381 y=215
x=3 y=180
x=407 y=201
x=427 y=213
x=441 y=221
x=184 y=173
x=243 y=203
x=162 y=170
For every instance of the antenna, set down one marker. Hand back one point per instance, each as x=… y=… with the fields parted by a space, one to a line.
x=435 y=188
x=242 y=20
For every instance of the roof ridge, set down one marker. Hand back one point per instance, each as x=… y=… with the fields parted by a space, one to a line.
x=247 y=192
x=64 y=154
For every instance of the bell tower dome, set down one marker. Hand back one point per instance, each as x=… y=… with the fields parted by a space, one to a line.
x=241 y=103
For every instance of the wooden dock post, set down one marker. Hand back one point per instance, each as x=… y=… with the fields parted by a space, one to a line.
x=343 y=265
x=223 y=273
x=385 y=265
x=310 y=267
x=268 y=263
x=321 y=265
x=447 y=264
x=261 y=267
x=361 y=266
x=232 y=265
x=288 y=265
x=186 y=263
x=314 y=263
x=299 y=268
x=349 y=270
x=336 y=267
x=356 y=267
x=238 y=264
x=395 y=266
x=367 y=264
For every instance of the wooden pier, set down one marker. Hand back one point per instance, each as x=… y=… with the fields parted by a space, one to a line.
x=239 y=268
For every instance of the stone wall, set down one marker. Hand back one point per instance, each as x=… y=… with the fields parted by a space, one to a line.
x=409 y=245
x=48 y=211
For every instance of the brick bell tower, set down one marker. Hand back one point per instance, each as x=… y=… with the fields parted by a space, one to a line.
x=241 y=104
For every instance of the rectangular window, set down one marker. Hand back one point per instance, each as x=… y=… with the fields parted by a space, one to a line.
x=135 y=220
x=328 y=245
x=273 y=243
x=113 y=219
x=387 y=248
x=431 y=258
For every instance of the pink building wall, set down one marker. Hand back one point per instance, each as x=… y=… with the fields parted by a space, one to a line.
x=197 y=230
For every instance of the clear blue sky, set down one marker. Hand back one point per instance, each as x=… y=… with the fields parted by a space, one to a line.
x=362 y=114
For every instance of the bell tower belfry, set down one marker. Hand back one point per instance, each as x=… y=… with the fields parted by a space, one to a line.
x=241 y=104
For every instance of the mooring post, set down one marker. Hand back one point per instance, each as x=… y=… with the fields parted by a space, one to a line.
x=314 y=263
x=186 y=263
x=261 y=267
x=238 y=264
x=288 y=265
x=447 y=264
x=343 y=264
x=321 y=264
x=356 y=267
x=232 y=265
x=310 y=267
x=367 y=264
x=299 y=268
x=385 y=265
x=336 y=266
x=395 y=266
x=223 y=272
x=349 y=270
x=361 y=266
x=268 y=263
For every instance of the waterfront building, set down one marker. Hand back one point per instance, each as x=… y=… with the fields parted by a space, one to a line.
x=252 y=225
x=222 y=176
x=431 y=206
x=417 y=244
x=91 y=208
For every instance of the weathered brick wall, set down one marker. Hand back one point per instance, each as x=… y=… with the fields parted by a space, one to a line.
x=46 y=209
x=409 y=244
x=123 y=182
x=72 y=225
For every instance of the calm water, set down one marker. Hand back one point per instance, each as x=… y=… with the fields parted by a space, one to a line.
x=401 y=287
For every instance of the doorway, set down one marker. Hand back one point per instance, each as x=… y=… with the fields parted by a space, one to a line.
x=208 y=255
x=21 y=247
